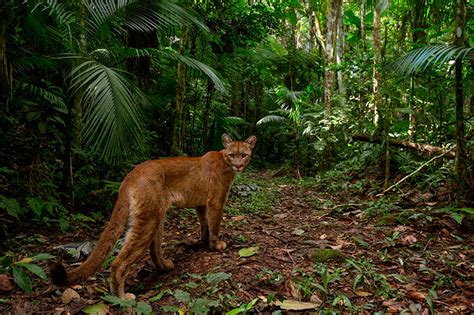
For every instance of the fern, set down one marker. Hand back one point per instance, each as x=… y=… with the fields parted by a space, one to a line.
x=11 y=206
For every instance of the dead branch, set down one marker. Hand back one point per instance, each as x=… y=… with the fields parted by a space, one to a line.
x=420 y=147
x=416 y=171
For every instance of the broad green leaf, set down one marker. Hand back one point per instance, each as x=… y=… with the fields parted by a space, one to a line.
x=143 y=308
x=22 y=279
x=35 y=269
x=249 y=251
x=42 y=256
x=115 y=300
x=96 y=309
x=182 y=296
x=217 y=277
x=202 y=306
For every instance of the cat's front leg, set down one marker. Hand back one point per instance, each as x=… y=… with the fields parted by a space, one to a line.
x=215 y=210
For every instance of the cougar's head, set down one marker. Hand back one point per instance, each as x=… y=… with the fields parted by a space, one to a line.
x=237 y=154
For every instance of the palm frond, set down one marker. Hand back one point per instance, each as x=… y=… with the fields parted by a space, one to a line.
x=142 y=16
x=53 y=99
x=59 y=11
x=233 y=120
x=113 y=119
x=148 y=16
x=271 y=118
x=421 y=58
x=196 y=64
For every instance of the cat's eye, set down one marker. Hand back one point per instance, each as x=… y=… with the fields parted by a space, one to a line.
x=232 y=155
x=244 y=155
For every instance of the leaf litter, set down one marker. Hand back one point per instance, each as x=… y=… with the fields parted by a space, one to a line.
x=408 y=259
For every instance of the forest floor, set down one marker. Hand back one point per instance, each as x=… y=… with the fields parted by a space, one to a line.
x=324 y=244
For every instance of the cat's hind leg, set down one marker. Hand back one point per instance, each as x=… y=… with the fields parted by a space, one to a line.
x=137 y=240
x=156 y=252
x=202 y=215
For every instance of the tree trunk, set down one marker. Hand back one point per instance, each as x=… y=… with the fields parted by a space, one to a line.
x=177 y=146
x=207 y=110
x=363 y=34
x=331 y=36
x=339 y=54
x=329 y=74
x=376 y=77
x=464 y=172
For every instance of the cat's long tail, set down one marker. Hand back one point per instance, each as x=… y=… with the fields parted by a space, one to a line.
x=112 y=232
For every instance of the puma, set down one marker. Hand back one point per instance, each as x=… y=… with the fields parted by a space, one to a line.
x=146 y=194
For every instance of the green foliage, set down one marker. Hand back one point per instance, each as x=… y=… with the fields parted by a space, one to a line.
x=138 y=307
x=368 y=277
x=21 y=269
x=12 y=207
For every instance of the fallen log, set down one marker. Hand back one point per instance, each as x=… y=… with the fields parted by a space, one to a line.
x=420 y=147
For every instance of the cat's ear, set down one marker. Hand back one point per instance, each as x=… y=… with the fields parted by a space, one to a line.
x=251 y=141
x=226 y=140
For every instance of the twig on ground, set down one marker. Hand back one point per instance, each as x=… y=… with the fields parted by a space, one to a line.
x=414 y=172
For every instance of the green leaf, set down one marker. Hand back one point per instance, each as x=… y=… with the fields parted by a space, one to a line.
x=217 y=277
x=113 y=116
x=467 y=210
x=143 y=308
x=96 y=309
x=249 y=251
x=170 y=309
x=35 y=269
x=182 y=296
x=202 y=306
x=458 y=217
x=22 y=279
x=159 y=296
x=12 y=206
x=115 y=300
x=42 y=256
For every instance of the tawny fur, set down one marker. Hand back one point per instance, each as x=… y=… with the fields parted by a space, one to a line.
x=145 y=196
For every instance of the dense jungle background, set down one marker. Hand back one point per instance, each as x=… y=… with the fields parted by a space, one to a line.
x=359 y=197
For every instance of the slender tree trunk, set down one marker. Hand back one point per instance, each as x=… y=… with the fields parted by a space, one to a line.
x=177 y=146
x=331 y=36
x=412 y=121
x=376 y=77
x=460 y=164
x=362 y=91
x=363 y=34
x=207 y=111
x=329 y=73
x=339 y=55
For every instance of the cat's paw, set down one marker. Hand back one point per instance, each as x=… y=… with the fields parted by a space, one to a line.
x=219 y=246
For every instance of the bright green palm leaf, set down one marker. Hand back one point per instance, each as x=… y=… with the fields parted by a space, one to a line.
x=421 y=58
x=113 y=119
x=173 y=55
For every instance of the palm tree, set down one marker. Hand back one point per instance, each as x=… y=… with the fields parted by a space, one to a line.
x=107 y=104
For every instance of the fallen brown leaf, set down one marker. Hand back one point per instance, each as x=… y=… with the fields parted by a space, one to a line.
x=409 y=240
x=362 y=293
x=69 y=295
x=5 y=283
x=416 y=295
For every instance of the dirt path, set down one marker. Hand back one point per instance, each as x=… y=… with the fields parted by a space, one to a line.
x=331 y=244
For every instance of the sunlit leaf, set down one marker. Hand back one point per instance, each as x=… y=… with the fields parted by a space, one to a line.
x=249 y=251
